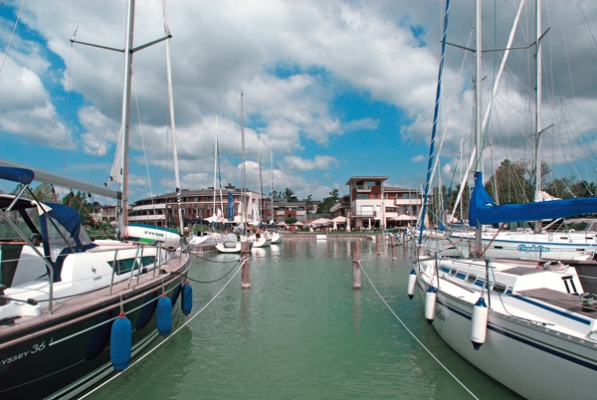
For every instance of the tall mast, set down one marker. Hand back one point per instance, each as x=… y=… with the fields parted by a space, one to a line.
x=272 y=191
x=120 y=168
x=215 y=167
x=538 y=94
x=478 y=123
x=260 y=179
x=126 y=117
x=242 y=146
x=172 y=121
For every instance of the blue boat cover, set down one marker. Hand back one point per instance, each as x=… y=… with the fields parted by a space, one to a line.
x=230 y=207
x=482 y=208
x=21 y=175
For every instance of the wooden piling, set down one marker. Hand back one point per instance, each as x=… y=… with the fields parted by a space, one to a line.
x=245 y=259
x=378 y=243
x=356 y=266
x=394 y=245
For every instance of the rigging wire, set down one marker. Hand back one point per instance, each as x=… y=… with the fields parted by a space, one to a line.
x=414 y=336
x=166 y=338
x=12 y=35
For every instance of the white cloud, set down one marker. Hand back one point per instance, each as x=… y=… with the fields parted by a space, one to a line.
x=295 y=163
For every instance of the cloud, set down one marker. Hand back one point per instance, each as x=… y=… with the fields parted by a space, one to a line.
x=318 y=163
x=418 y=158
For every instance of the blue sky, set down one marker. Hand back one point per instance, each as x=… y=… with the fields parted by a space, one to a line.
x=331 y=90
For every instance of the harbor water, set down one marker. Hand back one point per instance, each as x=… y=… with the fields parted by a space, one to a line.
x=302 y=332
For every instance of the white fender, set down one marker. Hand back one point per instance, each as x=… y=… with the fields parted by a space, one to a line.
x=412 y=283
x=430 y=300
x=479 y=323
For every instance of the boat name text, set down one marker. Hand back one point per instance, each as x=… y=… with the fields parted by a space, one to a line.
x=149 y=233
x=34 y=349
x=532 y=249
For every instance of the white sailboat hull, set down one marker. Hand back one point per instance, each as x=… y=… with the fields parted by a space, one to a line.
x=537 y=349
x=544 y=246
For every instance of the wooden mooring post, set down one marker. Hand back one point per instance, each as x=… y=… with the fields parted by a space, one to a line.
x=356 y=265
x=378 y=243
x=245 y=259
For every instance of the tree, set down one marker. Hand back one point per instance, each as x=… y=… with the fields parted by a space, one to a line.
x=328 y=202
x=289 y=196
x=515 y=181
x=273 y=194
x=309 y=203
x=80 y=203
x=569 y=187
x=42 y=192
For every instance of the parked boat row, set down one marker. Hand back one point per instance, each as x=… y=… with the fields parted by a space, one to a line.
x=511 y=303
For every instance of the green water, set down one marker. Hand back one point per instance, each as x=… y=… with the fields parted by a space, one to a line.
x=302 y=332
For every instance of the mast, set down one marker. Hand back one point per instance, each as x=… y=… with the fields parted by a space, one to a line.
x=218 y=164
x=538 y=94
x=478 y=123
x=242 y=145
x=215 y=168
x=260 y=179
x=120 y=168
x=434 y=130
x=125 y=121
x=172 y=121
x=272 y=191
x=488 y=110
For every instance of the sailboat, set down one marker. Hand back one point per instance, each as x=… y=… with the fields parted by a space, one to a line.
x=212 y=235
x=275 y=235
x=231 y=242
x=74 y=311
x=526 y=324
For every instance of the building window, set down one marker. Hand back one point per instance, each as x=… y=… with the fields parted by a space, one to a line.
x=367 y=210
x=362 y=195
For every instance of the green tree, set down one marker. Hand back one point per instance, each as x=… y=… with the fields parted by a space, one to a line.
x=515 y=181
x=309 y=203
x=328 y=202
x=42 y=192
x=80 y=203
x=288 y=194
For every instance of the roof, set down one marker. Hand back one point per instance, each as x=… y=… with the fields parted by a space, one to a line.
x=369 y=178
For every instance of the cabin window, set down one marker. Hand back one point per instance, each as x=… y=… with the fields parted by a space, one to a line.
x=499 y=288
x=471 y=278
x=124 y=266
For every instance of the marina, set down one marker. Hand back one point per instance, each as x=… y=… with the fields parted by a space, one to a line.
x=394 y=284
x=302 y=331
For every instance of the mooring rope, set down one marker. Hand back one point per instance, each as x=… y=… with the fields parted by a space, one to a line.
x=166 y=338
x=413 y=335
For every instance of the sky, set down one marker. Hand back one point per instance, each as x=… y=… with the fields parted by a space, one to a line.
x=331 y=89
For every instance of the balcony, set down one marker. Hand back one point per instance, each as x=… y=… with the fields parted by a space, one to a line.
x=363 y=188
x=407 y=202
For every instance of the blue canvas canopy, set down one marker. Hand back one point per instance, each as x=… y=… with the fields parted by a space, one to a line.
x=230 y=207
x=483 y=209
x=21 y=175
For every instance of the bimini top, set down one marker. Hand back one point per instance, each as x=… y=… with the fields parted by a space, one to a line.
x=483 y=209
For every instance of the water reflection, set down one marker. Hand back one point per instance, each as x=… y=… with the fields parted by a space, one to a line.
x=244 y=315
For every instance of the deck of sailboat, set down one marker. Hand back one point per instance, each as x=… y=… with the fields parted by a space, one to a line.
x=569 y=302
x=98 y=301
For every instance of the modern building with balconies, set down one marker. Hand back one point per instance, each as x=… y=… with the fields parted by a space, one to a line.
x=375 y=206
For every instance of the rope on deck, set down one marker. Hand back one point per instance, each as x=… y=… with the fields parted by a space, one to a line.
x=414 y=337
x=166 y=338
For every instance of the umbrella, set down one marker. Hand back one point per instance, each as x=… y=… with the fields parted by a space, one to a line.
x=321 y=221
x=340 y=219
x=404 y=217
x=298 y=223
